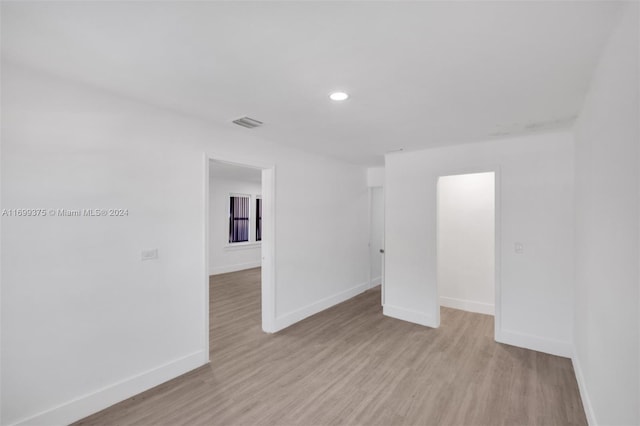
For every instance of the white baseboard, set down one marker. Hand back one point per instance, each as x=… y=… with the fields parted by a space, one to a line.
x=291 y=318
x=536 y=343
x=100 y=399
x=582 y=387
x=375 y=282
x=410 y=315
x=467 y=305
x=233 y=268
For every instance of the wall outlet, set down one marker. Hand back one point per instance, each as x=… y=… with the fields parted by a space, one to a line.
x=149 y=254
x=518 y=248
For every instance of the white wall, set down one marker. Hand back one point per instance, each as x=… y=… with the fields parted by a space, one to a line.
x=535 y=183
x=375 y=176
x=466 y=231
x=85 y=322
x=377 y=228
x=225 y=257
x=606 y=307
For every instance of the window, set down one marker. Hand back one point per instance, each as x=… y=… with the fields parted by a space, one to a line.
x=258 y=219
x=238 y=219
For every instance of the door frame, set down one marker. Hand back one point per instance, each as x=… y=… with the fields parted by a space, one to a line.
x=497 y=240
x=370 y=225
x=268 y=248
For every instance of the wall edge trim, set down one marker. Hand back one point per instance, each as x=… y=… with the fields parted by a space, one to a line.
x=109 y=395
x=467 y=305
x=234 y=268
x=297 y=315
x=409 y=315
x=582 y=388
x=535 y=343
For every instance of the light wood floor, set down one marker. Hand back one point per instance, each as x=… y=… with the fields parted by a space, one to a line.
x=352 y=365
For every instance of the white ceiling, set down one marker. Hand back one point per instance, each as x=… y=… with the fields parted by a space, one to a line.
x=420 y=74
x=220 y=170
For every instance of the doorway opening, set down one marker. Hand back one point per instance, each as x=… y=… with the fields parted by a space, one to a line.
x=376 y=239
x=239 y=242
x=466 y=242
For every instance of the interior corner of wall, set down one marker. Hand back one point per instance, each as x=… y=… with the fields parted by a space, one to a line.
x=582 y=388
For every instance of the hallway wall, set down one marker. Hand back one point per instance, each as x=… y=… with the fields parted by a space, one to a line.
x=111 y=324
x=466 y=242
x=535 y=193
x=224 y=257
x=607 y=314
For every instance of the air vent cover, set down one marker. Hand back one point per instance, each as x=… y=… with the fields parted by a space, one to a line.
x=247 y=122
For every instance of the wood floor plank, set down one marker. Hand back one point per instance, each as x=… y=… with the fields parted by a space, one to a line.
x=350 y=365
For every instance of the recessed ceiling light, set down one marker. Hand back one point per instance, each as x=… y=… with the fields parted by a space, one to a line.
x=339 y=96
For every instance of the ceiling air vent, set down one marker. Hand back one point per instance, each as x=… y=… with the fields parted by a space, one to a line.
x=247 y=122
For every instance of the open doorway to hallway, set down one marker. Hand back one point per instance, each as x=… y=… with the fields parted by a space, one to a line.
x=466 y=256
x=240 y=244
x=376 y=239
x=235 y=248
x=235 y=218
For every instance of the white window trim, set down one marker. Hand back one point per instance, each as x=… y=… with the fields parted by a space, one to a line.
x=243 y=245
